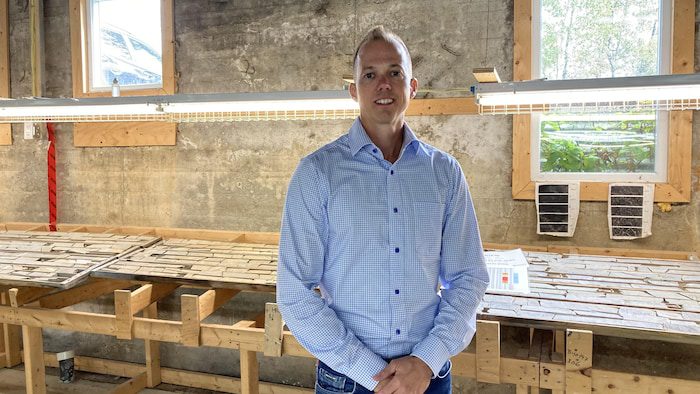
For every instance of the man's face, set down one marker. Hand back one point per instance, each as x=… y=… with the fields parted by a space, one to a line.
x=383 y=84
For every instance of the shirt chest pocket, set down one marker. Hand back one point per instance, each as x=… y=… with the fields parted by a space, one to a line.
x=428 y=229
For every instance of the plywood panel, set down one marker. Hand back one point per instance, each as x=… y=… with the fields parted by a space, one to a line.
x=124 y=134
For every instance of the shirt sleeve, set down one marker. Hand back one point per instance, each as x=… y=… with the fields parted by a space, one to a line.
x=463 y=277
x=300 y=269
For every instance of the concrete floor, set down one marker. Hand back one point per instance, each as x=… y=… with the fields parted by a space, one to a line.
x=12 y=382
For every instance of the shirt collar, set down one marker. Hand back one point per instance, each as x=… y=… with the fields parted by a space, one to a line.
x=359 y=138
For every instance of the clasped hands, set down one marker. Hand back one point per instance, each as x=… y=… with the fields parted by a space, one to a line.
x=403 y=375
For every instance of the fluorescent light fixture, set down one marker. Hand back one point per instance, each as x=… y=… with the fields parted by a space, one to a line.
x=221 y=107
x=658 y=92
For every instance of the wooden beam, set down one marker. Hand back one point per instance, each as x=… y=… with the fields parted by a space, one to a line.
x=26 y=295
x=486 y=75
x=249 y=372
x=488 y=351
x=94 y=288
x=579 y=361
x=153 y=371
x=133 y=385
x=5 y=128
x=11 y=338
x=150 y=293
x=273 y=331
x=189 y=306
x=173 y=376
x=442 y=106
x=124 y=134
x=36 y=28
x=34 y=370
x=213 y=299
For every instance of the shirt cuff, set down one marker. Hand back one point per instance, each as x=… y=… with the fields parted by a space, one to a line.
x=367 y=365
x=433 y=353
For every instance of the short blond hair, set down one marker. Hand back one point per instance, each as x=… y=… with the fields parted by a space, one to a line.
x=379 y=33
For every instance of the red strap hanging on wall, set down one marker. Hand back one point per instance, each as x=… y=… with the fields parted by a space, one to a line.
x=51 y=161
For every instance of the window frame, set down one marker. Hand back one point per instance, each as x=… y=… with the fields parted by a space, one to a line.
x=677 y=188
x=5 y=128
x=80 y=60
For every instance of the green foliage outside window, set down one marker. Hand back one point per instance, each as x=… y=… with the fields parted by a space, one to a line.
x=597 y=146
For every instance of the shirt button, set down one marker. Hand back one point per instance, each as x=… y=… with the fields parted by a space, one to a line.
x=396 y=250
x=396 y=210
x=398 y=332
x=374 y=150
x=396 y=291
x=391 y=172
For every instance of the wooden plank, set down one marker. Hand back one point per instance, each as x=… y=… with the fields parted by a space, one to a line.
x=150 y=293
x=36 y=28
x=442 y=106
x=93 y=289
x=609 y=381
x=214 y=299
x=488 y=351
x=124 y=134
x=77 y=14
x=168 y=46
x=11 y=338
x=579 y=361
x=522 y=186
x=173 y=376
x=133 y=385
x=34 y=370
x=153 y=370
x=5 y=134
x=190 y=319
x=249 y=372
x=5 y=128
x=273 y=330
x=27 y=295
x=486 y=75
x=123 y=313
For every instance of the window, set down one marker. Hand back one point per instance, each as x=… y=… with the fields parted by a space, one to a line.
x=130 y=41
x=593 y=39
x=579 y=39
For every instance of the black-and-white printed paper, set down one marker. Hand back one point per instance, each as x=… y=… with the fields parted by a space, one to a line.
x=557 y=208
x=630 y=209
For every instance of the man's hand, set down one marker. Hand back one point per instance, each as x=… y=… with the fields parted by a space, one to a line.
x=404 y=375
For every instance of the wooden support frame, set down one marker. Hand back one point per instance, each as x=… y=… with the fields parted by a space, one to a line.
x=153 y=371
x=274 y=327
x=579 y=361
x=678 y=187
x=196 y=308
x=133 y=385
x=250 y=339
x=488 y=351
x=32 y=338
x=10 y=338
x=127 y=304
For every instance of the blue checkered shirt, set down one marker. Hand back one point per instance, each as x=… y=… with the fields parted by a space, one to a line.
x=378 y=239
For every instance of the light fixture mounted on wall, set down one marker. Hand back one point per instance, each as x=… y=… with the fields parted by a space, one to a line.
x=658 y=92
x=221 y=107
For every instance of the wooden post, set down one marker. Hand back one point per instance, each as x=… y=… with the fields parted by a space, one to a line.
x=249 y=372
x=190 y=319
x=153 y=377
x=273 y=330
x=123 y=313
x=34 y=371
x=488 y=351
x=579 y=361
x=11 y=334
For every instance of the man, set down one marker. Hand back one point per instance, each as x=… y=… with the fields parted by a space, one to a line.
x=377 y=219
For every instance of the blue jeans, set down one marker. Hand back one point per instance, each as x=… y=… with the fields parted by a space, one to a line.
x=329 y=381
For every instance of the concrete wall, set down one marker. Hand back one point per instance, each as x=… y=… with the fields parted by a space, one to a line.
x=233 y=176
